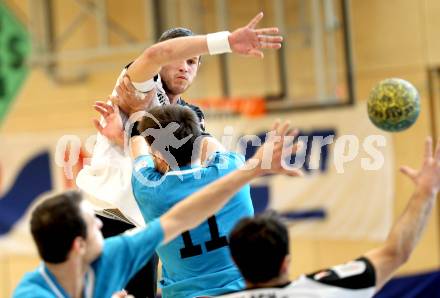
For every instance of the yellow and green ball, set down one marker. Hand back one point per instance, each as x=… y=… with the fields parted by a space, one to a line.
x=393 y=105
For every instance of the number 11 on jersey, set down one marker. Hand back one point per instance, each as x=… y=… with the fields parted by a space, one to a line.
x=216 y=242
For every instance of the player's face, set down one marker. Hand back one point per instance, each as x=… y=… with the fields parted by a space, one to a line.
x=178 y=76
x=94 y=240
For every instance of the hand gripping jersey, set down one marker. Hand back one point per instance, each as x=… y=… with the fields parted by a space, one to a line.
x=107 y=179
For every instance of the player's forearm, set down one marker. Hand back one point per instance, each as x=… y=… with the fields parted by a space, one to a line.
x=138 y=147
x=403 y=237
x=190 y=212
x=208 y=146
x=152 y=59
x=407 y=231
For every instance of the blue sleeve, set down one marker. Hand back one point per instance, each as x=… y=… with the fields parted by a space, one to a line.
x=225 y=161
x=144 y=178
x=143 y=169
x=31 y=285
x=32 y=292
x=128 y=253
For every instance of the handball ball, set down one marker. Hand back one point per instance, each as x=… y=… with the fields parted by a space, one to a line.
x=393 y=105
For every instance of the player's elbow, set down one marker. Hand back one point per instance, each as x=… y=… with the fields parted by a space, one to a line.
x=404 y=255
x=398 y=254
x=157 y=54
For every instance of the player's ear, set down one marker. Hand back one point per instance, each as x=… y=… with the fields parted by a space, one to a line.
x=159 y=162
x=285 y=265
x=157 y=155
x=78 y=246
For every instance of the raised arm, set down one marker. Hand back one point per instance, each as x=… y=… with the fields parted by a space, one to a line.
x=138 y=147
x=406 y=232
x=192 y=211
x=245 y=40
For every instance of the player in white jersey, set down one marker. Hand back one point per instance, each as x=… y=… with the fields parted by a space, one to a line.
x=176 y=60
x=260 y=248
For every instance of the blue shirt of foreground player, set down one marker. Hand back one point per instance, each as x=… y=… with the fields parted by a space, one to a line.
x=198 y=262
x=121 y=258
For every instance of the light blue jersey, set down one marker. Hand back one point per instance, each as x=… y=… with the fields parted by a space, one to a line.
x=198 y=262
x=122 y=257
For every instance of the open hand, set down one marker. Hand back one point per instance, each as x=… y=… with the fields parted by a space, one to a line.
x=278 y=147
x=428 y=177
x=250 y=41
x=113 y=127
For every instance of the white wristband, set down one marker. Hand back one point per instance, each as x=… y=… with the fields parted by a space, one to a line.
x=218 y=42
x=145 y=86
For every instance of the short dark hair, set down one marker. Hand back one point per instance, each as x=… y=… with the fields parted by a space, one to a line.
x=189 y=124
x=175 y=32
x=259 y=246
x=55 y=223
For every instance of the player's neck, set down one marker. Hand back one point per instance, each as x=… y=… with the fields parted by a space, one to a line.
x=173 y=98
x=276 y=282
x=70 y=275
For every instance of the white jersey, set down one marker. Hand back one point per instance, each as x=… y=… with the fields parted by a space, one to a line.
x=107 y=179
x=355 y=279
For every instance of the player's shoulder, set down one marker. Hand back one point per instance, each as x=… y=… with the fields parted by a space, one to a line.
x=144 y=172
x=32 y=285
x=141 y=162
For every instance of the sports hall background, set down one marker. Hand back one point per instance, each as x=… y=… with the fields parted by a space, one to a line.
x=393 y=38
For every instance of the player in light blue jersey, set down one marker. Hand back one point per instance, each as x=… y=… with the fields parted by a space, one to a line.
x=77 y=262
x=197 y=262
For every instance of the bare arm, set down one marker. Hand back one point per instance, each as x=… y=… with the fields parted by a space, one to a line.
x=149 y=63
x=192 y=211
x=246 y=41
x=208 y=146
x=406 y=232
x=138 y=147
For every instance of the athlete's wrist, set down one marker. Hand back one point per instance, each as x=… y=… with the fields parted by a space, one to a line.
x=424 y=190
x=218 y=43
x=118 y=139
x=254 y=167
x=138 y=106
